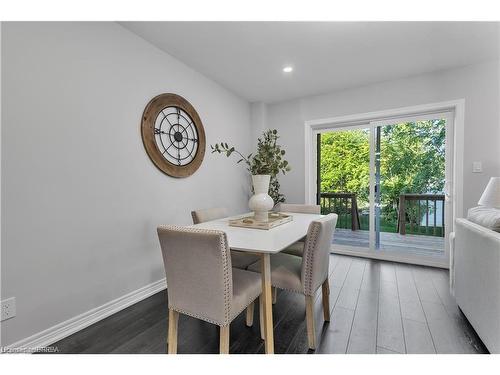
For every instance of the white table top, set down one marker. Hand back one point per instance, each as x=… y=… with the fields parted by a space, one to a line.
x=262 y=241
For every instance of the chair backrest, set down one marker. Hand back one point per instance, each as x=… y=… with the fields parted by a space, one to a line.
x=200 y=216
x=300 y=208
x=199 y=274
x=315 y=259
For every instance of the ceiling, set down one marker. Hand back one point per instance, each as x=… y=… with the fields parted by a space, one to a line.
x=248 y=57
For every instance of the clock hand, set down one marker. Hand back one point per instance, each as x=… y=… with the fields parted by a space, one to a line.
x=158 y=131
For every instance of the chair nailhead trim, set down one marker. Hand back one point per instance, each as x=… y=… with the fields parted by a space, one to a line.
x=197 y=316
x=226 y=270
x=227 y=276
x=308 y=256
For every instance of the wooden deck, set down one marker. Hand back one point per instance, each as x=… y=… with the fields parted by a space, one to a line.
x=408 y=244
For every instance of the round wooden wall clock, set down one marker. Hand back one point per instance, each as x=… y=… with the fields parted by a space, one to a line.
x=173 y=135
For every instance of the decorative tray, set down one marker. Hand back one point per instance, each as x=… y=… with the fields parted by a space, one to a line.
x=275 y=219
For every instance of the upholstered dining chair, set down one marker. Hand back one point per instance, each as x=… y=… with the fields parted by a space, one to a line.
x=298 y=247
x=306 y=274
x=238 y=259
x=299 y=208
x=200 y=216
x=201 y=282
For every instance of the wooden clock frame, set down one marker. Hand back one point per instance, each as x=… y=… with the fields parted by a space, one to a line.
x=151 y=112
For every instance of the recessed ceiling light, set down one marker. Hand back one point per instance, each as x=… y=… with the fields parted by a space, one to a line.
x=287 y=69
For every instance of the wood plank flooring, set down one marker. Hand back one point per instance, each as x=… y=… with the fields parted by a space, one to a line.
x=429 y=246
x=376 y=307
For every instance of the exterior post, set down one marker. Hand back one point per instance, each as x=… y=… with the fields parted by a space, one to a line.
x=402 y=221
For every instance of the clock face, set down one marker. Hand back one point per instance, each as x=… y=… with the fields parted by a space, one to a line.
x=176 y=136
x=173 y=135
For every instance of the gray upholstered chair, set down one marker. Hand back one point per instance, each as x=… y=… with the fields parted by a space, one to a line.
x=201 y=282
x=307 y=273
x=299 y=208
x=298 y=247
x=238 y=259
x=200 y=216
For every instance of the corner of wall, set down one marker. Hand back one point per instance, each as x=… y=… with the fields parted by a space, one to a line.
x=258 y=119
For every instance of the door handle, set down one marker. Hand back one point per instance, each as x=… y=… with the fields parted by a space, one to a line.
x=447 y=190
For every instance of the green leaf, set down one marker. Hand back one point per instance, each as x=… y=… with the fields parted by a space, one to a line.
x=268 y=159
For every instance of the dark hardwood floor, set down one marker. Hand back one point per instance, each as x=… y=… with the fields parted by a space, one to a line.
x=377 y=307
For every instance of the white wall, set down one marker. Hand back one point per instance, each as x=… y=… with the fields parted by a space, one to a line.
x=81 y=199
x=477 y=84
x=258 y=118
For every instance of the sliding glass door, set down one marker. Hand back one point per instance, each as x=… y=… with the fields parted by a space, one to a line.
x=344 y=180
x=388 y=182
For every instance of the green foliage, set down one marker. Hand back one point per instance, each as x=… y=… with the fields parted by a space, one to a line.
x=269 y=159
x=345 y=162
x=412 y=160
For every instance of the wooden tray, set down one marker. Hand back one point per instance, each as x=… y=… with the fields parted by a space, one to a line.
x=275 y=219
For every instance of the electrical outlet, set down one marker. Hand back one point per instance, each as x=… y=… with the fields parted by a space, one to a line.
x=8 y=308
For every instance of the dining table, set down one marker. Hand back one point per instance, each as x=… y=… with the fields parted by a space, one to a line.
x=263 y=242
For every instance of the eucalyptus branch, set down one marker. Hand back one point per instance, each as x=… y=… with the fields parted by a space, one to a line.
x=224 y=148
x=269 y=159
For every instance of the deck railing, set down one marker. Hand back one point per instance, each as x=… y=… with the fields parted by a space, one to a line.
x=343 y=204
x=415 y=209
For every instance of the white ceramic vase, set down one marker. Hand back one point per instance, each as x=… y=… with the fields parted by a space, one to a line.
x=261 y=203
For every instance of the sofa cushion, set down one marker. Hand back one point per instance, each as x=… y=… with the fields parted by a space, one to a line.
x=485 y=216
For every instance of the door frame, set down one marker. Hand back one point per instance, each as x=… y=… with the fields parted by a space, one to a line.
x=457 y=107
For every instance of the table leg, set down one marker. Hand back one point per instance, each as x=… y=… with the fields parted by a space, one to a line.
x=267 y=303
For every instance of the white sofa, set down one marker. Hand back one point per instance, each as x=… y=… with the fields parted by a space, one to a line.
x=476 y=283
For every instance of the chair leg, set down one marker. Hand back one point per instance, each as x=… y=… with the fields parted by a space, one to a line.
x=250 y=310
x=275 y=294
x=311 y=329
x=173 y=320
x=325 y=288
x=224 y=340
x=261 y=318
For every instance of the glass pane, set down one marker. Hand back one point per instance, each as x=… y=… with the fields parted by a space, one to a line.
x=344 y=169
x=410 y=178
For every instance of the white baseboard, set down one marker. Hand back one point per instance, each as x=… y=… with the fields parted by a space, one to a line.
x=59 y=331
